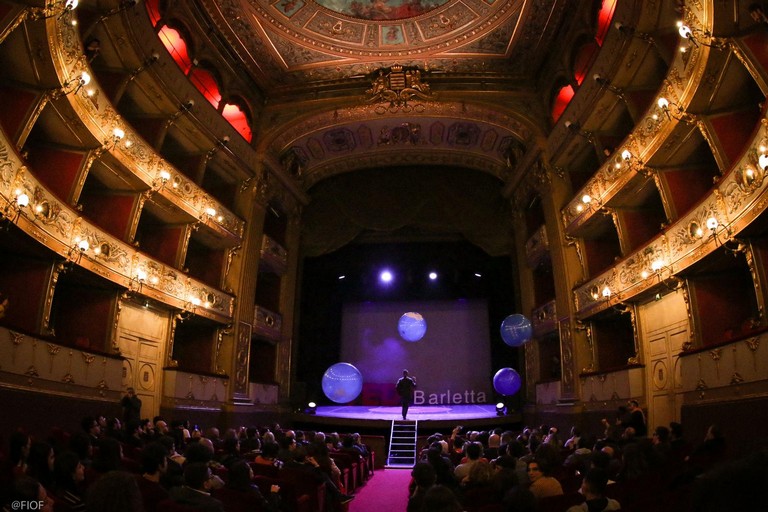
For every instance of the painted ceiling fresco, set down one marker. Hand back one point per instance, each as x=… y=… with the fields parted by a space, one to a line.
x=381 y=9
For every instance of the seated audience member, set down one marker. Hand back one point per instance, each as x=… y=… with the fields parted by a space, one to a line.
x=40 y=464
x=709 y=453
x=115 y=491
x=593 y=488
x=252 y=442
x=311 y=468
x=439 y=498
x=18 y=452
x=196 y=489
x=241 y=490
x=154 y=464
x=442 y=465
x=230 y=453
x=70 y=482
x=423 y=475
x=542 y=485
x=268 y=455
x=573 y=442
x=27 y=490
x=473 y=451
x=734 y=486
x=202 y=452
x=107 y=458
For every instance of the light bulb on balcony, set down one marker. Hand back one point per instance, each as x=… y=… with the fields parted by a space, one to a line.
x=586 y=199
x=194 y=300
x=141 y=276
x=762 y=160
x=626 y=155
x=83 y=245
x=644 y=274
x=663 y=103
x=657 y=265
x=684 y=30
x=85 y=78
x=712 y=223
x=118 y=133
x=210 y=211
x=22 y=200
x=606 y=292
x=164 y=176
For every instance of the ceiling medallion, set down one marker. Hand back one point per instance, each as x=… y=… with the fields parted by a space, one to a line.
x=397 y=86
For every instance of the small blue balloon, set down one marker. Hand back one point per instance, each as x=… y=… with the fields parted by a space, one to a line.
x=412 y=326
x=342 y=383
x=507 y=382
x=516 y=330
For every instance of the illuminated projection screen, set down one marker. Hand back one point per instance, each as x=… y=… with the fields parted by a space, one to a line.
x=451 y=363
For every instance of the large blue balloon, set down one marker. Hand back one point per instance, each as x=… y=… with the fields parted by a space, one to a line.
x=507 y=382
x=516 y=330
x=342 y=383
x=412 y=326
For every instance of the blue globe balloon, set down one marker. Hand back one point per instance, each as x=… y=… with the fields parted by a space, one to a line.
x=516 y=330
x=342 y=383
x=507 y=382
x=412 y=326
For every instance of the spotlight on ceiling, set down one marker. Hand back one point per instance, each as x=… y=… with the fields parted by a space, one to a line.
x=386 y=276
x=432 y=276
x=342 y=277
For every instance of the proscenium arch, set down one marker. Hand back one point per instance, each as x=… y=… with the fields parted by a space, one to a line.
x=474 y=136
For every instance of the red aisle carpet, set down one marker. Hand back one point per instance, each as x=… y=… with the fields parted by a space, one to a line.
x=387 y=491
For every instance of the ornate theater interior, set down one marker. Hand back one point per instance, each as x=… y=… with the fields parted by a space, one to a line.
x=171 y=172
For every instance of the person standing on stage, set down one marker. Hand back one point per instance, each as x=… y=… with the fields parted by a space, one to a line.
x=405 y=387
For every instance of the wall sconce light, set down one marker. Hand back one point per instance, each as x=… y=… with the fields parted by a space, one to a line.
x=718 y=230
x=690 y=34
x=606 y=84
x=500 y=409
x=163 y=177
x=183 y=109
x=117 y=135
x=73 y=85
x=679 y=114
x=576 y=129
x=311 y=408
x=78 y=248
x=606 y=292
x=54 y=9
x=12 y=210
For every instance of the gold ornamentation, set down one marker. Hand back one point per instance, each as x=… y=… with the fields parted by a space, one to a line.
x=68 y=379
x=102 y=387
x=398 y=85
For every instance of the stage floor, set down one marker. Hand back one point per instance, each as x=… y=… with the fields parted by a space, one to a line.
x=415 y=412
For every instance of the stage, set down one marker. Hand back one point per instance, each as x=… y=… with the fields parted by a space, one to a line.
x=429 y=418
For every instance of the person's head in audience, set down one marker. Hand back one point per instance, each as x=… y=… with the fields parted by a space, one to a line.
x=197 y=476
x=268 y=437
x=473 y=450
x=213 y=434
x=675 y=431
x=154 y=460
x=108 y=456
x=534 y=471
x=81 y=444
x=239 y=475
x=90 y=426
x=594 y=484
x=481 y=473
x=26 y=489
x=68 y=471
x=269 y=450
x=116 y=491
x=169 y=443
x=161 y=427
x=199 y=452
x=40 y=463
x=661 y=435
x=520 y=499
x=208 y=443
x=601 y=459
x=440 y=498
x=18 y=449
x=424 y=475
